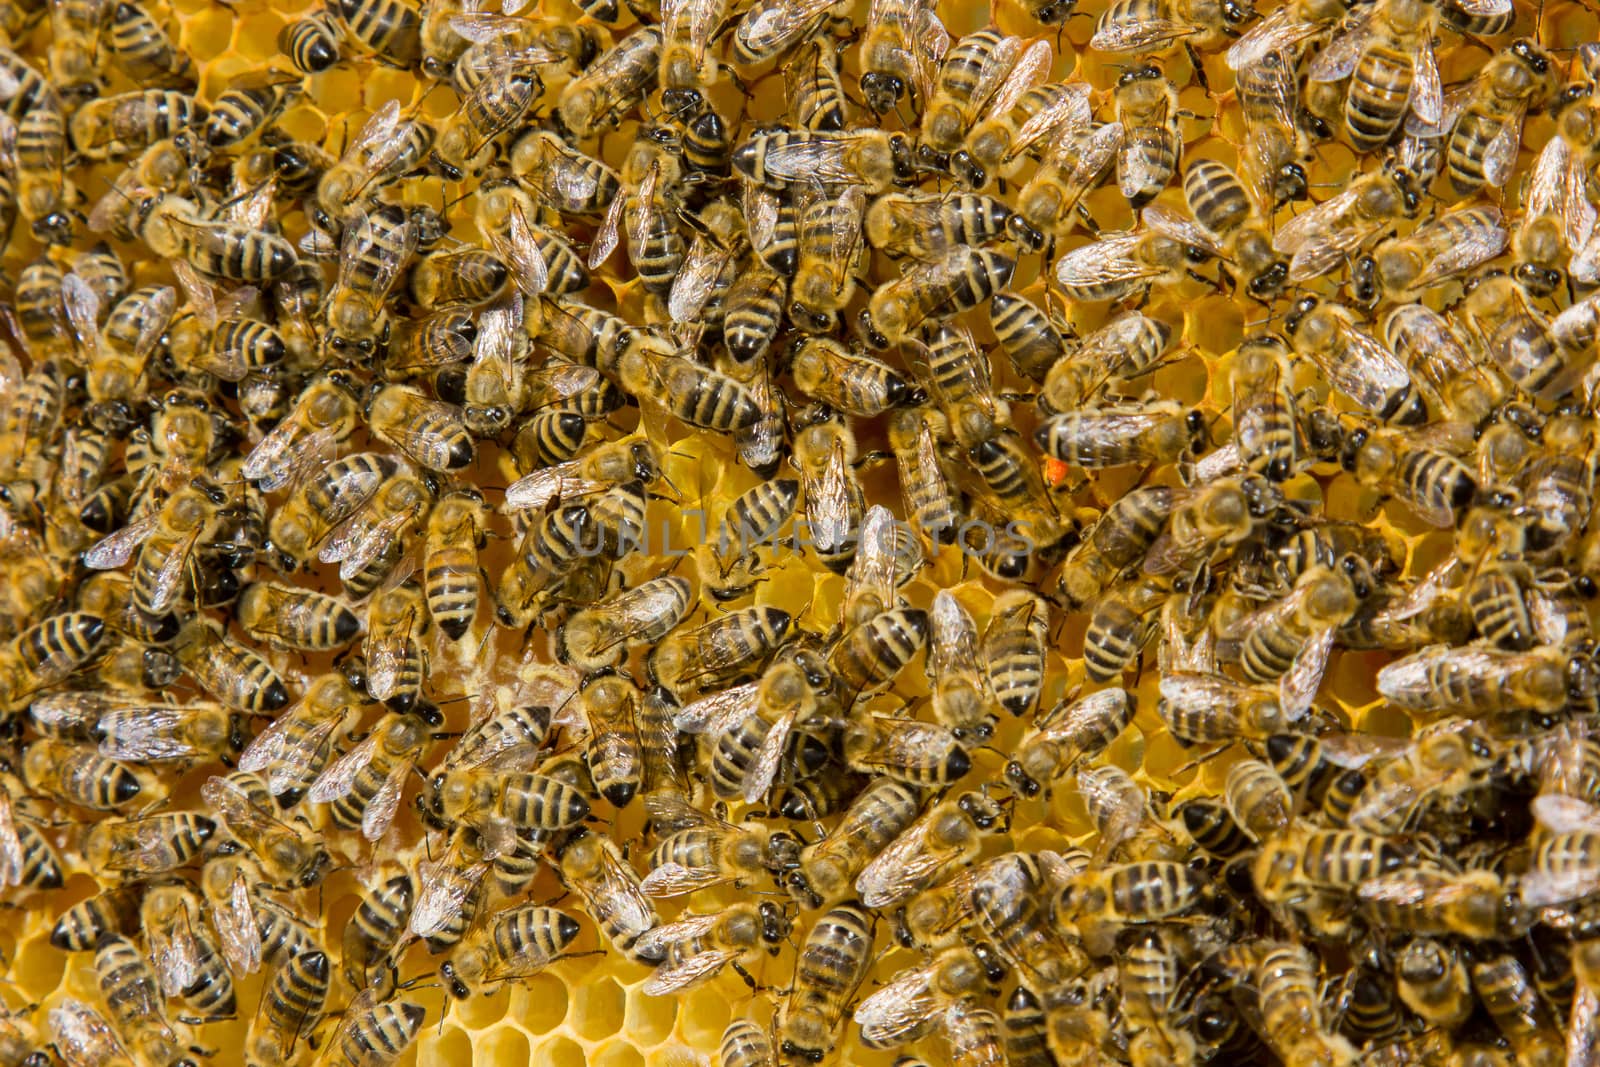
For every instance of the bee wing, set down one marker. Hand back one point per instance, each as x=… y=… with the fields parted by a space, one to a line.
x=1545 y=889
x=992 y=73
x=1163 y=219
x=234 y=919
x=83 y=1037
x=719 y=712
x=117 y=548
x=674 y=879
x=169 y=578
x=845 y=240
x=197 y=293
x=1556 y=187
x=1427 y=92
x=900 y=869
x=11 y=852
x=236 y=806
x=672 y=976
x=379 y=128
x=829 y=499
x=872 y=570
x=1337 y=61
x=1110 y=259
x=537 y=491
x=897 y=1012
x=386 y=657
x=767 y=27
x=519 y=248
x=1141 y=33
x=953 y=636
x=1030 y=69
x=605 y=238
x=83 y=310
x=658 y=939
x=1483 y=8
x=820 y=159
x=376 y=539
x=1584 y=266
x=444 y=892
x=1370 y=372
x=769 y=757
x=929 y=43
x=336 y=780
x=628 y=909
x=696 y=279
x=1279 y=31
x=284 y=450
x=175 y=952
x=1561 y=814
x=1479 y=245
x=761 y=208
x=384 y=803
x=1500 y=157
x=281 y=758
x=1307 y=229
x=1298 y=686
x=145 y=732
x=670 y=813
x=1068 y=112
x=1583 y=1028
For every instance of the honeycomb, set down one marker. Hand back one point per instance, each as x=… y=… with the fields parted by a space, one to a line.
x=590 y=1008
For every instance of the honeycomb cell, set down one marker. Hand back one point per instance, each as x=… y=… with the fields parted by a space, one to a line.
x=504 y=1045
x=649 y=1020
x=485 y=1009
x=598 y=1006
x=540 y=1004
x=451 y=1046
x=705 y=1015
x=616 y=1054
x=561 y=1051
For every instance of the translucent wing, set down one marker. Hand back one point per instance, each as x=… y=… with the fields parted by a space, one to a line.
x=519 y=248
x=380 y=260
x=1501 y=156
x=11 y=853
x=537 y=491
x=1555 y=188
x=236 y=807
x=1561 y=814
x=1298 y=686
x=234 y=919
x=696 y=279
x=829 y=499
x=1307 y=228
x=83 y=1037
x=1478 y=245
x=1427 y=93
x=1338 y=60
x=1030 y=69
x=767 y=28
x=197 y=293
x=1279 y=31
x=769 y=757
x=168 y=581
x=379 y=814
x=817 y=158
x=146 y=732
x=674 y=879
x=83 y=310
x=284 y=450
x=1483 y=8
x=281 y=757
x=1163 y=219
x=444 y=892
x=1067 y=112
x=175 y=952
x=1143 y=32
x=379 y=128
x=870 y=579
x=898 y=1011
x=1109 y=259
x=117 y=548
x=339 y=777
x=669 y=813
x=658 y=939
x=906 y=866
x=996 y=66
x=845 y=240
x=387 y=655
x=929 y=43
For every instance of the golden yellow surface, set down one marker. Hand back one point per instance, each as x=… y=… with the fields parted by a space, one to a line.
x=590 y=1009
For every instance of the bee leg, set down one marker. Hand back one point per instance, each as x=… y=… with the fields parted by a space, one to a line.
x=748 y=979
x=1088 y=220
x=1199 y=67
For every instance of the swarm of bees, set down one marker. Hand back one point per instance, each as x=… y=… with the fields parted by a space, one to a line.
x=974 y=533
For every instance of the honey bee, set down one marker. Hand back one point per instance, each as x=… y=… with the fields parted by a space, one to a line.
x=36 y=149
x=497 y=804
x=291 y=617
x=373 y=253
x=311 y=42
x=1484 y=679
x=375 y=927
x=815 y=87
x=147 y=845
x=744 y=1044
x=287 y=856
x=923 y=483
x=516 y=943
x=823 y=454
x=850 y=382
x=291 y=1005
x=1487 y=131
x=615 y=81
x=1388 y=56
x=782 y=158
x=1070 y=732
x=1222 y=205
x=370 y=1034
x=84 y=1038
x=696 y=947
x=1431 y=481
x=388 y=145
x=870 y=654
x=1295 y=633
x=1014 y=644
x=962 y=277
x=1437 y=359
x=731 y=564
x=45 y=653
x=829 y=968
x=79 y=776
x=910 y=1004
x=1517 y=337
x=918 y=753
x=1319 y=238
x=974 y=74
x=1454 y=243
x=701 y=850
x=949 y=833
x=1432 y=981
x=690 y=660
x=961 y=694
x=175 y=228
x=1282 y=985
x=1147 y=108
x=904 y=43
x=1100 y=902
x=363 y=786
x=1512 y=1001
x=1141 y=26
x=114 y=910
x=1115 y=436
x=1353 y=361
x=593 y=866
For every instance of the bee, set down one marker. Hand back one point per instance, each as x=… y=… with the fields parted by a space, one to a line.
x=37 y=152
x=506 y=86
x=948 y=834
x=238 y=677
x=389 y=29
x=139 y=45
x=496 y=805
x=312 y=42
x=752 y=309
x=870 y=654
x=363 y=786
x=591 y=865
x=829 y=968
x=1102 y=901
x=961 y=695
x=913 y=435
x=1512 y=1001
x=1013 y=648
x=292 y=1005
x=134 y=999
x=1296 y=632
x=963 y=277
x=83 y=1037
x=815 y=87
x=696 y=947
x=1485 y=679
x=850 y=382
x=781 y=158
x=389 y=145
x=114 y=910
x=1516 y=337
x=1222 y=205
x=1434 y=354
x=45 y=653
x=918 y=753
x=828 y=868
x=620 y=77
x=689 y=660
x=517 y=943
x=1388 y=57
x=1454 y=243
x=597 y=637
x=248 y=106
x=1019 y=117
x=291 y=617
x=449 y=894
x=287 y=856
x=1427 y=902
x=696 y=395
x=730 y=564
x=1282 y=29
x=1432 y=482
x=924 y=227
x=823 y=454
x=701 y=850
x=1353 y=361
x=185 y=958
x=1051 y=200
x=1487 y=132
x=371 y=1034
x=174 y=228
x=1140 y=26
x=903 y=44
x=1069 y=733
x=76 y=775
x=744 y=1044
x=1432 y=981
x=613 y=751
x=910 y=1004
x=373 y=252
x=375 y=927
x=1283 y=988
x=1115 y=436
x=147 y=845
x=563 y=178
x=971 y=75
x=829 y=249
x=1147 y=108
x=1319 y=238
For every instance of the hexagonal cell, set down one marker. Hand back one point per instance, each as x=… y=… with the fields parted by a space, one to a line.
x=649 y=1020
x=36 y=967
x=706 y=1015
x=483 y=1010
x=452 y=1047
x=504 y=1046
x=616 y=1054
x=539 y=1004
x=561 y=1051
x=598 y=1006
